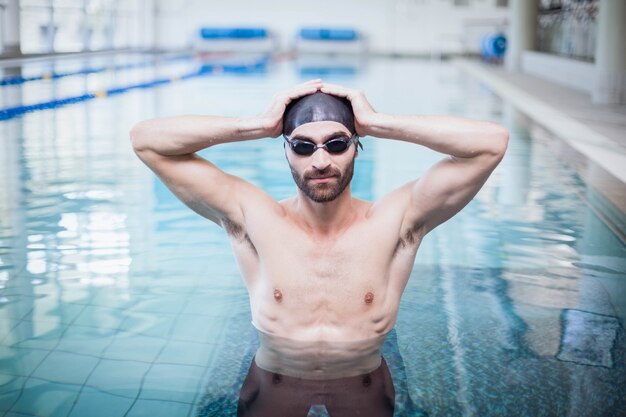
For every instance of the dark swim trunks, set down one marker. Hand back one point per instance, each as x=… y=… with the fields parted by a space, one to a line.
x=268 y=394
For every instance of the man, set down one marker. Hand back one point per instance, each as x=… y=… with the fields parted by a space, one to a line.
x=324 y=271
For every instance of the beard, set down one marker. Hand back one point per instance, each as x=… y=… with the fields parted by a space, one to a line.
x=327 y=191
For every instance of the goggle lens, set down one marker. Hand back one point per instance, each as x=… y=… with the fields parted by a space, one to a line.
x=337 y=145
x=302 y=148
x=334 y=146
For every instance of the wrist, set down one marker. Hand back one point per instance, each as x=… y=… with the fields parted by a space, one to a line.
x=255 y=127
x=376 y=125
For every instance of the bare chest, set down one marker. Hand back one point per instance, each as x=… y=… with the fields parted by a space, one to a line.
x=327 y=293
x=336 y=276
x=299 y=284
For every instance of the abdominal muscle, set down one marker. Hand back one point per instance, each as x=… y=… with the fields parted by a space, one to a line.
x=317 y=359
x=314 y=335
x=317 y=316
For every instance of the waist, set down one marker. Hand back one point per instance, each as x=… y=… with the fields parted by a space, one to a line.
x=319 y=359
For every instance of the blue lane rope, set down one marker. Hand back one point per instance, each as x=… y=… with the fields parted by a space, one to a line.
x=19 y=79
x=206 y=69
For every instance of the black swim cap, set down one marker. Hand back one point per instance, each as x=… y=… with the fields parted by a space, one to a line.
x=318 y=107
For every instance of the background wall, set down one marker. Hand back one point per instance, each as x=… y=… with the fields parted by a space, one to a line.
x=391 y=26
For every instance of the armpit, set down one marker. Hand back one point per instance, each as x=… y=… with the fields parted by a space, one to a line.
x=236 y=231
x=408 y=239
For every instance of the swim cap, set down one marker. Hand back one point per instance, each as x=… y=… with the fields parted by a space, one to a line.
x=318 y=107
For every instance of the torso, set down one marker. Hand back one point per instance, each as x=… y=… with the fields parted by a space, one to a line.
x=342 y=288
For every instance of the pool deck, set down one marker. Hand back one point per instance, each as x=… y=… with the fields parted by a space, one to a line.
x=590 y=138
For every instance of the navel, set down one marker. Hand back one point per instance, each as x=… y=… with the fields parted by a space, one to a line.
x=369 y=297
x=278 y=296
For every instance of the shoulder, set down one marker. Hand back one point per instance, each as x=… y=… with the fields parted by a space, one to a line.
x=362 y=207
x=391 y=212
x=394 y=203
x=257 y=208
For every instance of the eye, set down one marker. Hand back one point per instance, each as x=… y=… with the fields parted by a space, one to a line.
x=302 y=147
x=336 y=145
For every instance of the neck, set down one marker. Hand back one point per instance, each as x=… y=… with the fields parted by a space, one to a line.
x=326 y=218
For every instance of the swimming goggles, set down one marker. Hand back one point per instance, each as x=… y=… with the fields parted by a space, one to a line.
x=334 y=146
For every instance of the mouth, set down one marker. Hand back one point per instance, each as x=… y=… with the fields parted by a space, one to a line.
x=321 y=180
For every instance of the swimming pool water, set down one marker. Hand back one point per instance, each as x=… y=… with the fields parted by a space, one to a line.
x=117 y=300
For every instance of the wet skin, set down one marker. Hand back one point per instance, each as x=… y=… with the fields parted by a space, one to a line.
x=324 y=271
x=341 y=283
x=323 y=266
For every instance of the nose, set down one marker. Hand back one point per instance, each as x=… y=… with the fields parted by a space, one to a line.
x=321 y=159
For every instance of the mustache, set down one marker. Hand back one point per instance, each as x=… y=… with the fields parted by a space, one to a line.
x=328 y=172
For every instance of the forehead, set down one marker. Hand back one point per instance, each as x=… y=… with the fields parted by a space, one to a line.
x=319 y=130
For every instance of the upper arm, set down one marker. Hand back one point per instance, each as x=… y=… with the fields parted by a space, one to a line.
x=202 y=186
x=446 y=188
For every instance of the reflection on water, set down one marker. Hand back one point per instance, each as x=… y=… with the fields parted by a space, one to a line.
x=381 y=391
x=273 y=393
x=111 y=291
x=319 y=359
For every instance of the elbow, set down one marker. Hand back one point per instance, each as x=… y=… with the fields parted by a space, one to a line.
x=500 y=142
x=504 y=141
x=138 y=135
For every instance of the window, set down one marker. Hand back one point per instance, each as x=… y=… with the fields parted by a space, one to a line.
x=568 y=28
x=80 y=25
x=36 y=26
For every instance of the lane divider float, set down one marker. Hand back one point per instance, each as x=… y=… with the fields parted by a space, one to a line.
x=204 y=70
x=48 y=76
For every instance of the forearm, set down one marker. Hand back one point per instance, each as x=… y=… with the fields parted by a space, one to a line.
x=456 y=136
x=182 y=135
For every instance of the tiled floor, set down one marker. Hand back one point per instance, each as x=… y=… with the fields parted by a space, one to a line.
x=49 y=370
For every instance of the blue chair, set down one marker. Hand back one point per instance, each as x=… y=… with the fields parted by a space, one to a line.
x=234 y=39
x=339 y=40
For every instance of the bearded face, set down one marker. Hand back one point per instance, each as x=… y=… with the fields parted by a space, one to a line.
x=324 y=185
x=322 y=175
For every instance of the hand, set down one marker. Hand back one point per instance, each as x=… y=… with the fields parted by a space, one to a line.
x=272 y=117
x=363 y=111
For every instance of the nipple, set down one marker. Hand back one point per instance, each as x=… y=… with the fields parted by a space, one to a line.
x=278 y=296
x=369 y=297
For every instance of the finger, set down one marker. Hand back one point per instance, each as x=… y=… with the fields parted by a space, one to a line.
x=316 y=82
x=337 y=86
x=283 y=99
x=304 y=89
x=309 y=87
x=337 y=90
